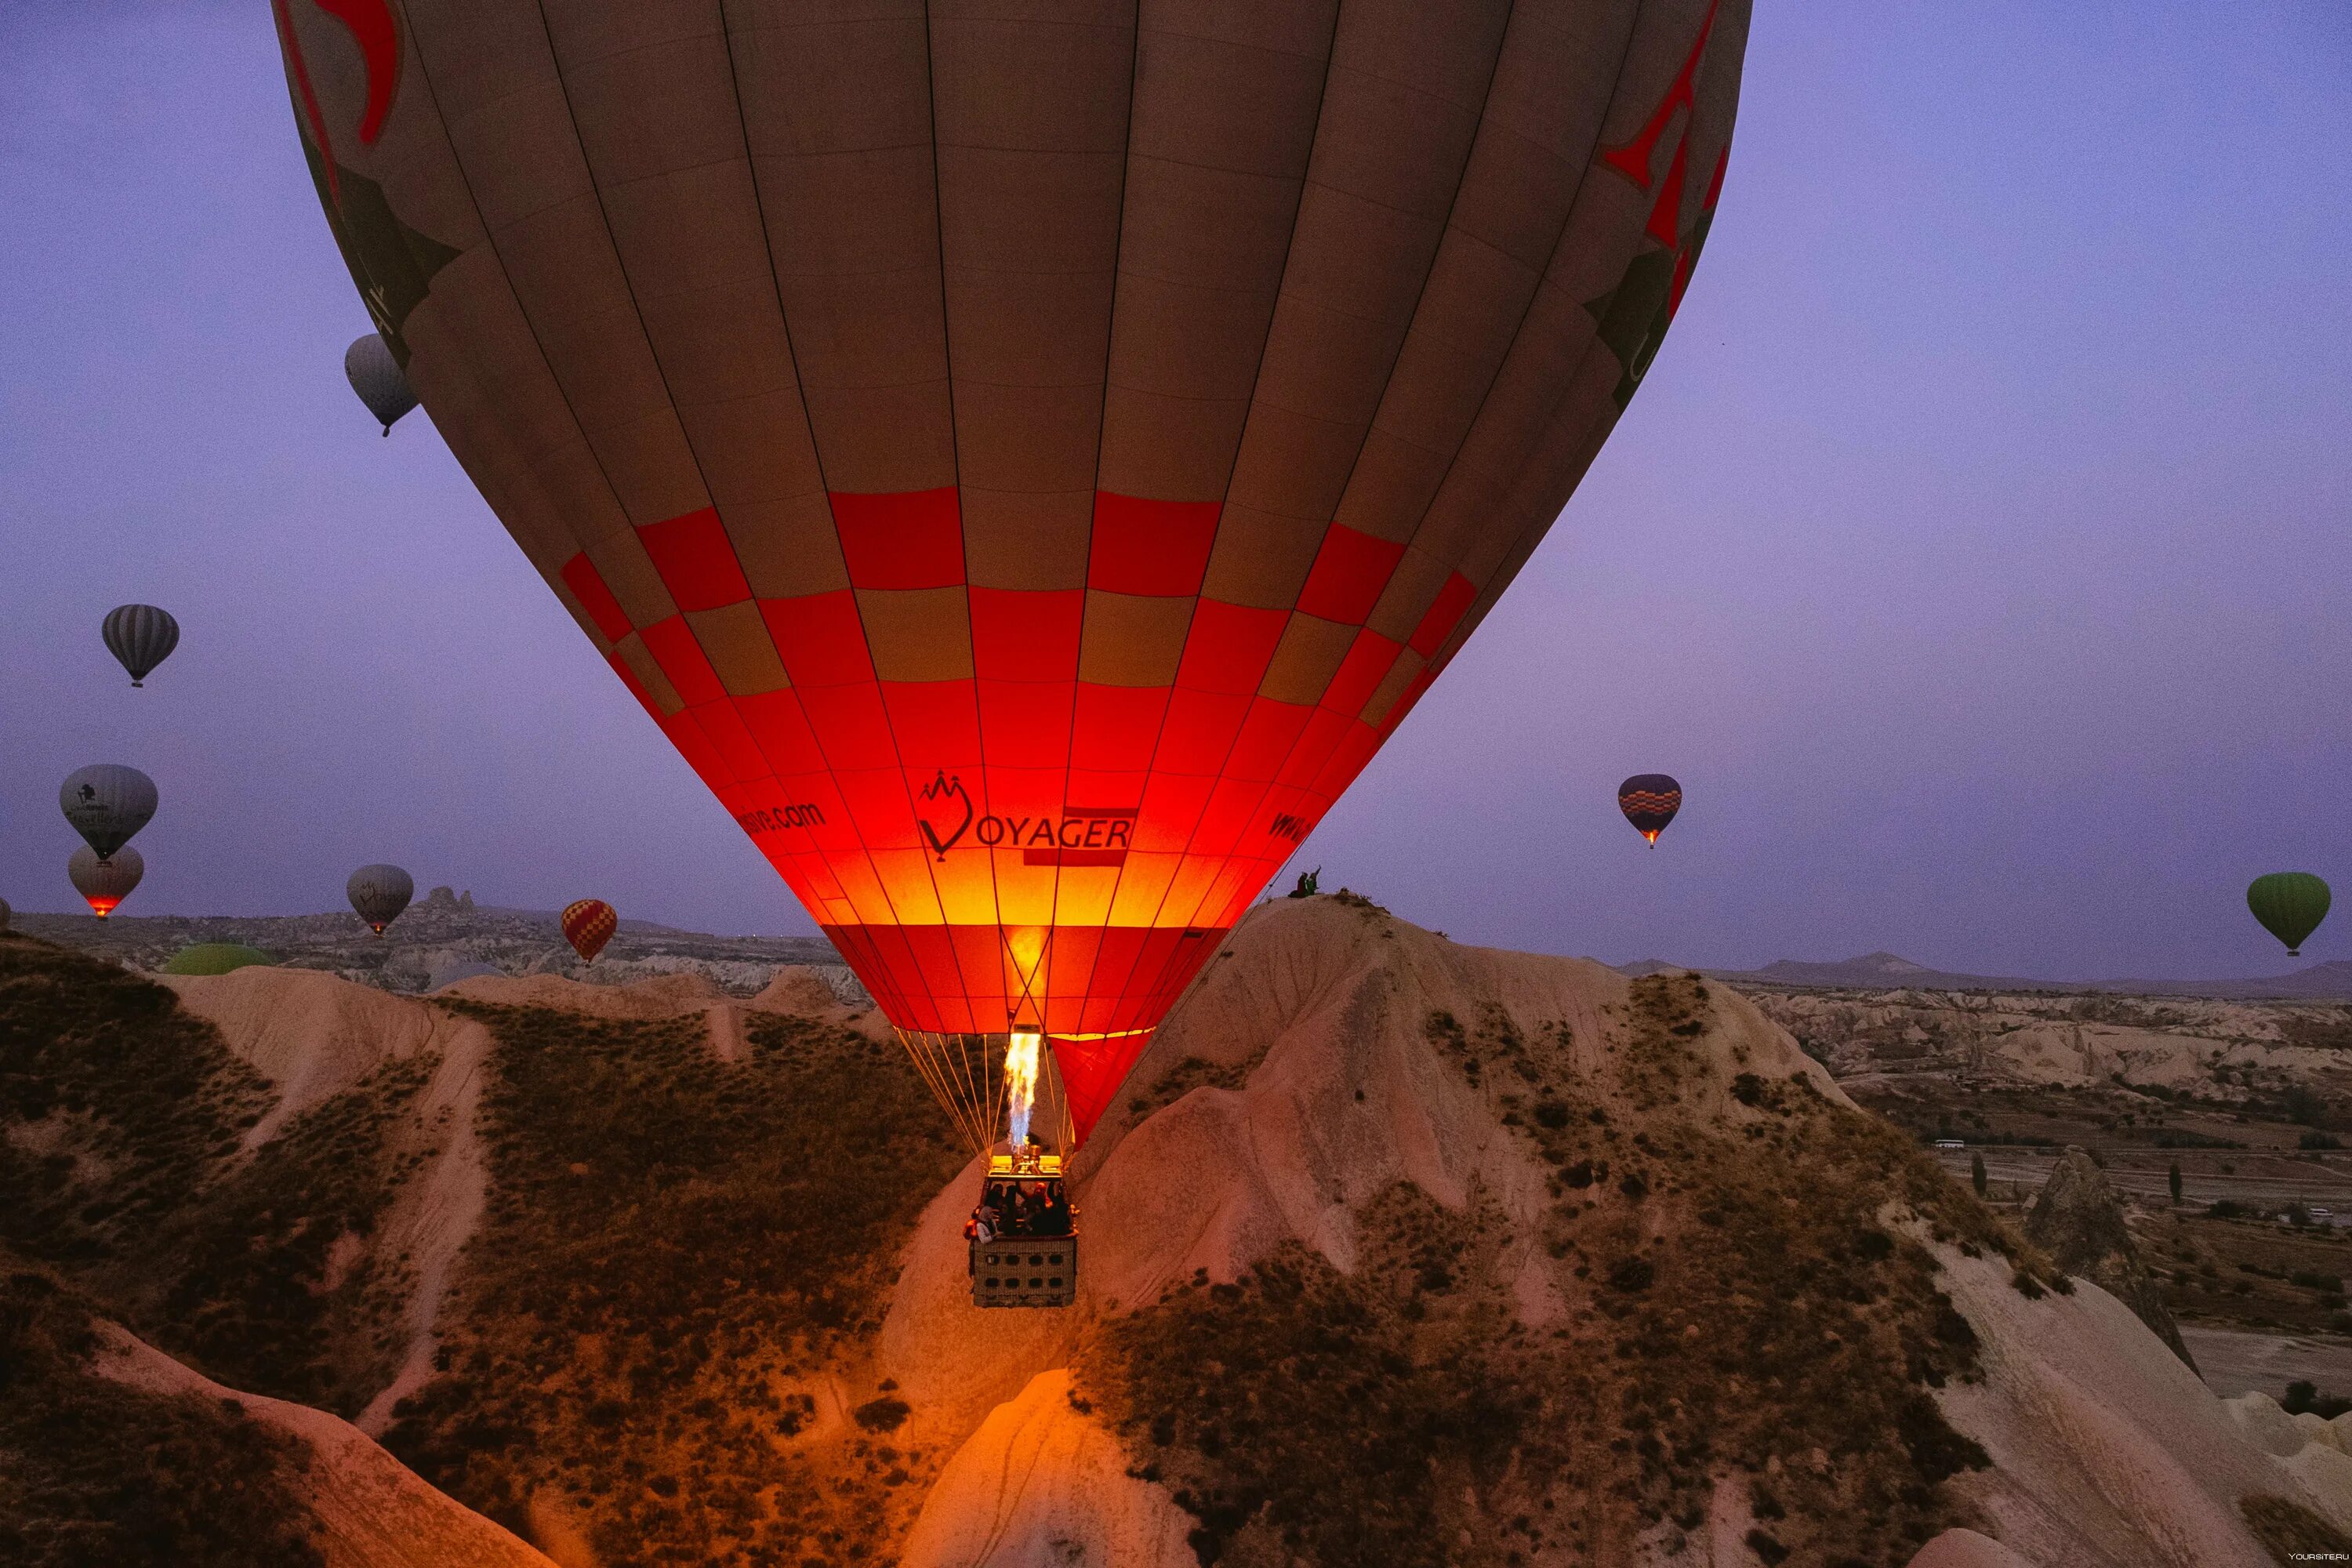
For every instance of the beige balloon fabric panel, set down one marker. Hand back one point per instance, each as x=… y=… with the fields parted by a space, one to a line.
x=1027 y=454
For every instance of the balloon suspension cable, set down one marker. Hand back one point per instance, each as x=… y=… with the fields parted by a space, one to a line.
x=974 y=1076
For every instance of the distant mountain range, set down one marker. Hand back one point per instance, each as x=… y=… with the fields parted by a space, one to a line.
x=1891 y=972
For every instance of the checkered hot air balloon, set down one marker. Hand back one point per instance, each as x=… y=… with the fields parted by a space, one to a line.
x=1026 y=463
x=588 y=924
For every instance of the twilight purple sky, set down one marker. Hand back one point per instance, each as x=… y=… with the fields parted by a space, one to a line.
x=1976 y=554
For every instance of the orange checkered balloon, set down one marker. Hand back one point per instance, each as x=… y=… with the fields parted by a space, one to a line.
x=1027 y=466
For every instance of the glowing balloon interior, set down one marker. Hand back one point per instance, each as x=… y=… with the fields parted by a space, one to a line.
x=1027 y=467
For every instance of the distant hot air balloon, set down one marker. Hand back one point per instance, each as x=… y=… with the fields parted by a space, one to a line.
x=379 y=893
x=141 y=636
x=1649 y=802
x=377 y=377
x=588 y=925
x=2290 y=904
x=1027 y=470
x=107 y=802
x=105 y=883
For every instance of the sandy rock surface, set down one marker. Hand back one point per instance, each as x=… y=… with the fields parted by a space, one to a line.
x=374 y=1512
x=1042 y=1482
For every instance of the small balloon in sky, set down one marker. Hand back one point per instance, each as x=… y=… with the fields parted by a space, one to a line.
x=1649 y=802
x=107 y=802
x=141 y=636
x=105 y=883
x=588 y=925
x=2290 y=905
x=377 y=377
x=379 y=893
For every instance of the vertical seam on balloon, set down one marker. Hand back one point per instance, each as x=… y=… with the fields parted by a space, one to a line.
x=1472 y=613
x=1225 y=499
x=1567 y=217
x=636 y=313
x=1094 y=505
x=1273 y=783
x=816 y=450
x=964 y=546
x=816 y=454
x=491 y=239
x=1482 y=603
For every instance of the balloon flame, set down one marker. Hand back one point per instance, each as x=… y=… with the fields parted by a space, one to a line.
x=1651 y=834
x=1020 y=1084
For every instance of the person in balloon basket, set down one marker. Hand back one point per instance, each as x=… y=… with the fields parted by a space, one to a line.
x=981 y=1227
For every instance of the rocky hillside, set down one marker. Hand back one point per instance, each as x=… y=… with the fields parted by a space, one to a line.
x=1394 y=1251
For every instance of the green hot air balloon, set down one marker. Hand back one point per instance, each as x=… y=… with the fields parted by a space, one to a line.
x=2290 y=904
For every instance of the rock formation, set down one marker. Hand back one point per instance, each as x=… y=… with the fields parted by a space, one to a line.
x=2078 y=1220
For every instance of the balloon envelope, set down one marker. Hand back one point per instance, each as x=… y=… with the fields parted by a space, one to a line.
x=2290 y=905
x=588 y=925
x=1028 y=468
x=103 y=884
x=107 y=802
x=1649 y=802
x=140 y=637
x=379 y=893
x=377 y=377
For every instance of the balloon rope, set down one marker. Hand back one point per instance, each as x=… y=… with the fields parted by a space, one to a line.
x=934 y=1075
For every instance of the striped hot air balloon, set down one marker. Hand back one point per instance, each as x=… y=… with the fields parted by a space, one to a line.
x=1649 y=802
x=588 y=924
x=140 y=637
x=1026 y=462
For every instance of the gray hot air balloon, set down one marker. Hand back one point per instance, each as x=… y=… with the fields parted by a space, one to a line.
x=107 y=802
x=377 y=377
x=105 y=883
x=141 y=636
x=379 y=893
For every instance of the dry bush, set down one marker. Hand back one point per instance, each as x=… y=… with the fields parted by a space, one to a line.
x=101 y=1473
x=672 y=1243
x=143 y=1195
x=1747 y=1308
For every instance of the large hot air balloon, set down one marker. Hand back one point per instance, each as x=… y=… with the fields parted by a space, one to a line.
x=107 y=802
x=1027 y=464
x=379 y=893
x=1649 y=802
x=377 y=376
x=140 y=637
x=588 y=924
x=2290 y=905
x=105 y=883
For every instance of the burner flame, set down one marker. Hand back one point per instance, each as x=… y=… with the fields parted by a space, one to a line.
x=1020 y=1084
